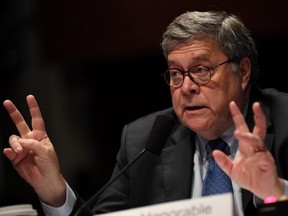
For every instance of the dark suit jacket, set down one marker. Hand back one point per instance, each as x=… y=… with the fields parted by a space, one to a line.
x=157 y=179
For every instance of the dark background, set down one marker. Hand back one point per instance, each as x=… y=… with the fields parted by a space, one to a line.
x=95 y=65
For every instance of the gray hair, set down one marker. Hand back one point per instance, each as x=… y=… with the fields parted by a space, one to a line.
x=227 y=29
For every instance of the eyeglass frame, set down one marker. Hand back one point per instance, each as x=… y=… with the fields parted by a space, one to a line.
x=167 y=78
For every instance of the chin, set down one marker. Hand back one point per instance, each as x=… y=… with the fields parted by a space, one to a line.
x=195 y=125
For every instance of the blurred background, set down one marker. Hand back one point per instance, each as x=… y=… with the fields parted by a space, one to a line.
x=95 y=66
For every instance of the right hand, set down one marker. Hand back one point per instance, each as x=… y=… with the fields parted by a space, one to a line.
x=33 y=155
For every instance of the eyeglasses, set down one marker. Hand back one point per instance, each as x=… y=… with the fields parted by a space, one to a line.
x=199 y=74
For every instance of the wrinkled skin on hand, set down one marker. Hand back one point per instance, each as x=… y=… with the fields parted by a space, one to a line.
x=33 y=155
x=254 y=167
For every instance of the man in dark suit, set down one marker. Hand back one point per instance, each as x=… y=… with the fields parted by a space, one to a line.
x=212 y=73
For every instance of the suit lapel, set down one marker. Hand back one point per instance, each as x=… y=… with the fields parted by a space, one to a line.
x=178 y=164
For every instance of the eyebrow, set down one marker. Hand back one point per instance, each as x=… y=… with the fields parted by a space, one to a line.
x=174 y=63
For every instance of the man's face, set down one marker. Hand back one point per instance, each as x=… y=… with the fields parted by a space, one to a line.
x=205 y=109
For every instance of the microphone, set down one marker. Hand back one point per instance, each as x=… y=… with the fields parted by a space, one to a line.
x=159 y=133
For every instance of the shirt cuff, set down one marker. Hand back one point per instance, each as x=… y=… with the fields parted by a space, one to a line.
x=65 y=209
x=286 y=188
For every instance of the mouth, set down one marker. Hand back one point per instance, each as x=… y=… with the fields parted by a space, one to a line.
x=192 y=108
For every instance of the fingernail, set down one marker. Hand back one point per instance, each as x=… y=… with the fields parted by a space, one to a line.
x=18 y=148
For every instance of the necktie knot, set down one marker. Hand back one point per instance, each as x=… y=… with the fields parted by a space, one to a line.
x=218 y=144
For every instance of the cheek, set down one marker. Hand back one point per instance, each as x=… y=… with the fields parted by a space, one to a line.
x=175 y=96
x=218 y=99
x=230 y=87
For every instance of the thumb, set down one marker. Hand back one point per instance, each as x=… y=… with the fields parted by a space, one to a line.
x=223 y=161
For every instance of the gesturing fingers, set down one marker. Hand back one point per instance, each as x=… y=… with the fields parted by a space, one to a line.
x=38 y=126
x=260 y=121
x=238 y=118
x=16 y=153
x=37 y=120
x=17 y=118
x=249 y=142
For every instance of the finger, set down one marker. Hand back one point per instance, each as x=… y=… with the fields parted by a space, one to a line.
x=16 y=153
x=14 y=143
x=34 y=145
x=17 y=118
x=31 y=145
x=240 y=127
x=37 y=120
x=9 y=153
x=238 y=118
x=14 y=157
x=249 y=143
x=223 y=161
x=260 y=121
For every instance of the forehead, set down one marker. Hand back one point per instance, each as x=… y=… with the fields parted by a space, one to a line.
x=195 y=49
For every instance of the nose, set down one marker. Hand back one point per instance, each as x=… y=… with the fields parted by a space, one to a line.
x=189 y=86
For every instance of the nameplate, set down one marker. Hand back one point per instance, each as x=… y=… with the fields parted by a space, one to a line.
x=213 y=205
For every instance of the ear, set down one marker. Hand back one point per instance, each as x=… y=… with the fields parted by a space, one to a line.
x=245 y=71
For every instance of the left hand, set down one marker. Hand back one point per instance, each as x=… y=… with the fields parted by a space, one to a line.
x=254 y=167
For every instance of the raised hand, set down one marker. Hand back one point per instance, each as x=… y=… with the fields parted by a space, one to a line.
x=254 y=167
x=33 y=155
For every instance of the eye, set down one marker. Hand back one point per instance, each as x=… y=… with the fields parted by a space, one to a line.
x=175 y=73
x=199 y=70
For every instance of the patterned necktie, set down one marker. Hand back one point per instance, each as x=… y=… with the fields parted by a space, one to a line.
x=216 y=181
